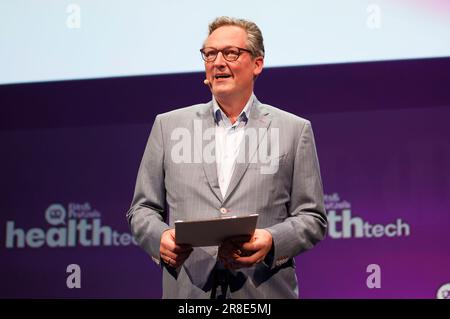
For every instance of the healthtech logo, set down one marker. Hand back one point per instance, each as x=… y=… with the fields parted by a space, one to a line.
x=78 y=225
x=343 y=225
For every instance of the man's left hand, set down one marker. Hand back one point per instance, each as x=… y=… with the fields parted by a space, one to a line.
x=237 y=253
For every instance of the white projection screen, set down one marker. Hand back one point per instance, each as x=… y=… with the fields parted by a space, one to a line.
x=50 y=40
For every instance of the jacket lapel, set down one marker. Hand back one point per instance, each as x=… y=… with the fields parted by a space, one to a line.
x=259 y=122
x=208 y=149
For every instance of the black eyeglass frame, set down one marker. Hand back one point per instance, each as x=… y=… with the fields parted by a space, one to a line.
x=240 y=50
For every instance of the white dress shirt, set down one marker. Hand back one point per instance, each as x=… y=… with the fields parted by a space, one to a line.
x=228 y=140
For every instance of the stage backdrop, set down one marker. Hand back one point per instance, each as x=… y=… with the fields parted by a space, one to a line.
x=70 y=152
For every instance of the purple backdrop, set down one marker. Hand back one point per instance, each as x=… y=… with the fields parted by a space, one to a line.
x=383 y=141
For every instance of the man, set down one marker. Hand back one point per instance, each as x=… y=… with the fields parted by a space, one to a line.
x=275 y=175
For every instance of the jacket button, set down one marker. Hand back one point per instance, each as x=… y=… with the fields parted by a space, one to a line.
x=223 y=210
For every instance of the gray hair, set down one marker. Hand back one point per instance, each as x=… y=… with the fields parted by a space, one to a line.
x=255 y=40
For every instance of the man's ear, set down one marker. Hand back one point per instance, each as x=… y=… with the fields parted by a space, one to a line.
x=259 y=64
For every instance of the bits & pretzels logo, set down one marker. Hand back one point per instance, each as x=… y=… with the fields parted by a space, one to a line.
x=76 y=225
x=343 y=225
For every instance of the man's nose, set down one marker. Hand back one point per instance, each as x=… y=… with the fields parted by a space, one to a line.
x=220 y=60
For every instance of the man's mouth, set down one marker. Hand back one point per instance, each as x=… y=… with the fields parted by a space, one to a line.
x=222 y=76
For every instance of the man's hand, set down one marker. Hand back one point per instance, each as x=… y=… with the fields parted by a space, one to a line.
x=172 y=254
x=240 y=252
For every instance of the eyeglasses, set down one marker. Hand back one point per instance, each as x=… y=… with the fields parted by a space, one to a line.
x=229 y=53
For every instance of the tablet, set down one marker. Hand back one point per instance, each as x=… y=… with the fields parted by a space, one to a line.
x=212 y=232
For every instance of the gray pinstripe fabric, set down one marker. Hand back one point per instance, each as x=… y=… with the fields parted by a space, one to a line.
x=289 y=202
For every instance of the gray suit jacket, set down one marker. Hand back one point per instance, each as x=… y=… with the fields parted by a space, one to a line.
x=287 y=195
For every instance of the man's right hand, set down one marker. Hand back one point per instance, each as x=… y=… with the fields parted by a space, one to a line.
x=172 y=254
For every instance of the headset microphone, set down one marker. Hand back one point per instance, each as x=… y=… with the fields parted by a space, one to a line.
x=206 y=82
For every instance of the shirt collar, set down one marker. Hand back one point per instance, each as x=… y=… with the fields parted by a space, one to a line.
x=220 y=116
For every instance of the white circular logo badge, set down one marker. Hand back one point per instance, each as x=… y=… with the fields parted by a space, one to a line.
x=55 y=214
x=443 y=292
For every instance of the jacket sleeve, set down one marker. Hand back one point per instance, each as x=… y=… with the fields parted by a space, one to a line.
x=147 y=213
x=307 y=222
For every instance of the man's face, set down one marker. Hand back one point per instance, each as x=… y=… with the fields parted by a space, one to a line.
x=236 y=78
